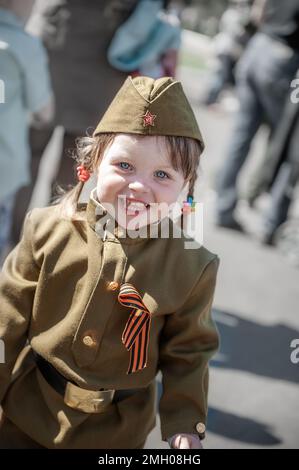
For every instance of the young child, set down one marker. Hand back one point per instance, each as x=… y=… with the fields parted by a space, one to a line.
x=104 y=310
x=26 y=89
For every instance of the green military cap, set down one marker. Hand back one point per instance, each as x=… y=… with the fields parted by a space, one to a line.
x=147 y=106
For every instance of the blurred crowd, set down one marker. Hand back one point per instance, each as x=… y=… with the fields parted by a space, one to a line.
x=258 y=54
x=62 y=61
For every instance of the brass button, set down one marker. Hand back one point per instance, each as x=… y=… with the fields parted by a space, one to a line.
x=200 y=428
x=113 y=285
x=88 y=340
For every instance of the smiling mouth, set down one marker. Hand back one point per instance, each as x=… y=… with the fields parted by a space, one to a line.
x=135 y=206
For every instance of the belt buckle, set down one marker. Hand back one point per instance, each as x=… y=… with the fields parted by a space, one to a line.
x=89 y=401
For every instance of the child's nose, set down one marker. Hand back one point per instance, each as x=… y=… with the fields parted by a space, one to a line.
x=139 y=185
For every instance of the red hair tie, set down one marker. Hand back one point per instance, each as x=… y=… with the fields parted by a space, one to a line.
x=82 y=173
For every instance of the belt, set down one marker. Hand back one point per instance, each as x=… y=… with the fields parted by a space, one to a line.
x=88 y=401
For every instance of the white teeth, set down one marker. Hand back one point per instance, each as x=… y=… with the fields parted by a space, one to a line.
x=136 y=205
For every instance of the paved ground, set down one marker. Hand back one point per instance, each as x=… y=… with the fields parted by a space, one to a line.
x=254 y=395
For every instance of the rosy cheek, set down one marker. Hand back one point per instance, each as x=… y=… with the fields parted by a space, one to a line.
x=115 y=181
x=110 y=184
x=166 y=195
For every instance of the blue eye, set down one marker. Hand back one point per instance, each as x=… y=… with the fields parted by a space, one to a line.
x=162 y=175
x=124 y=165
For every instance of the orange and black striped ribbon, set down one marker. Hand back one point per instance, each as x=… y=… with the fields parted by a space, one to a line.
x=135 y=336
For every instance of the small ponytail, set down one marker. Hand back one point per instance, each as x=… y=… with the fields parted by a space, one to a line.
x=69 y=201
x=89 y=151
x=192 y=186
x=190 y=196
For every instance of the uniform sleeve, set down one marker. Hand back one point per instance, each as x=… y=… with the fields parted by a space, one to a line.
x=18 y=281
x=189 y=339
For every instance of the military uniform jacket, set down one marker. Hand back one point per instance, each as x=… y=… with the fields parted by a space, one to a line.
x=59 y=287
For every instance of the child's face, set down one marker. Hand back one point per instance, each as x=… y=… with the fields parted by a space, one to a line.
x=140 y=169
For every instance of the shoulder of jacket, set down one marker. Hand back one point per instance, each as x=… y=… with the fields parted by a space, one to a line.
x=47 y=222
x=40 y=215
x=191 y=257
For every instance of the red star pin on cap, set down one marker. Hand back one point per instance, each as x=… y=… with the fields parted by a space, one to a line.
x=148 y=119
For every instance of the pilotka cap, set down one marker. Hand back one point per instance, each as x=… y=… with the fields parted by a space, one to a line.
x=147 y=106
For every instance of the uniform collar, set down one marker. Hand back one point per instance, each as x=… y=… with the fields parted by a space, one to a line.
x=107 y=227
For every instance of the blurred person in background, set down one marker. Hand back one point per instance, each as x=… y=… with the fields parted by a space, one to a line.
x=148 y=42
x=264 y=74
x=235 y=30
x=76 y=34
x=281 y=171
x=27 y=95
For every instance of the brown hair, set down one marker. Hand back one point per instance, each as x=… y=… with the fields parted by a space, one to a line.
x=184 y=153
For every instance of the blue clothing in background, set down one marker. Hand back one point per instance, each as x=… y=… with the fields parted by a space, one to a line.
x=25 y=87
x=142 y=40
